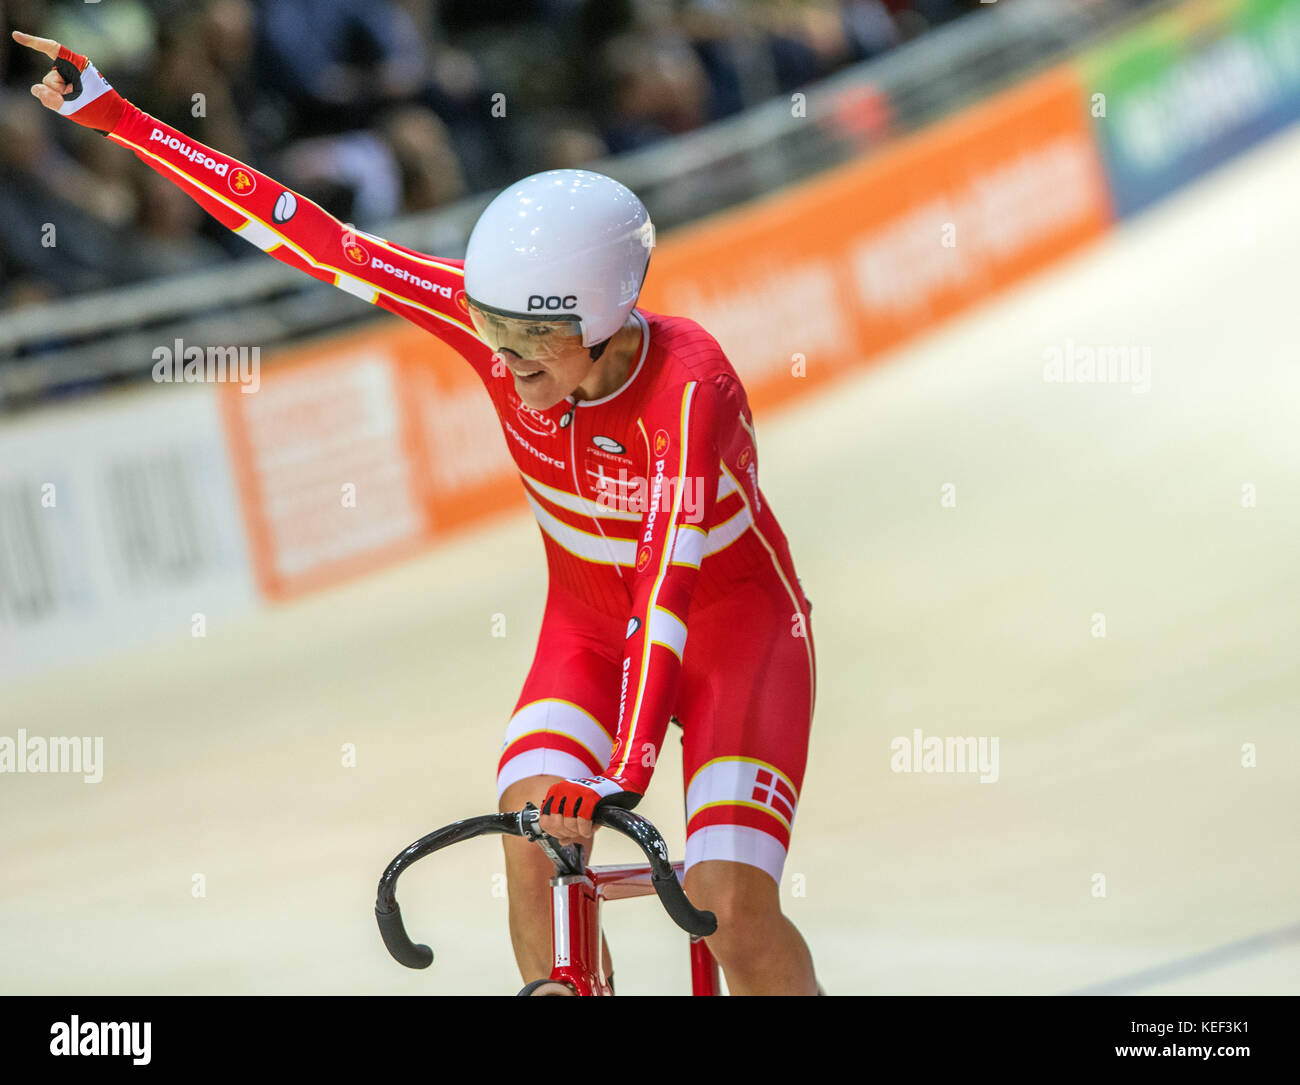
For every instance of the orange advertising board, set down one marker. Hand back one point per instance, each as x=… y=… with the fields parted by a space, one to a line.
x=357 y=450
x=830 y=273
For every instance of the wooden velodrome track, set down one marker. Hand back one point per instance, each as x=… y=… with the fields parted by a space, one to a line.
x=1118 y=756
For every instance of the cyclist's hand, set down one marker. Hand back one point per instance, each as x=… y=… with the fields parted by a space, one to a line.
x=73 y=86
x=569 y=805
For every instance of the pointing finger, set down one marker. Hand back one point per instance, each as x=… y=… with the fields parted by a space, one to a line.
x=42 y=45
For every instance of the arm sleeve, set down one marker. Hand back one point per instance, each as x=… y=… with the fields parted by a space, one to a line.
x=427 y=291
x=683 y=432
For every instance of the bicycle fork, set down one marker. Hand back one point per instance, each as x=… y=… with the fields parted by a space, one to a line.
x=575 y=934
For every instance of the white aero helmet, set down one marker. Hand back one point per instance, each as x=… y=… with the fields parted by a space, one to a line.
x=561 y=244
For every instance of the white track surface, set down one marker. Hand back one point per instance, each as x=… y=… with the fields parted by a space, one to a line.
x=1119 y=756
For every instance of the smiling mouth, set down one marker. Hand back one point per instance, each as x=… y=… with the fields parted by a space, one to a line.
x=527 y=376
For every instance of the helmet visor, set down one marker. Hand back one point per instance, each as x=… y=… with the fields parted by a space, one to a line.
x=532 y=337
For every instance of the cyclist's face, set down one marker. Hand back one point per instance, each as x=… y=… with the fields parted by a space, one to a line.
x=545 y=358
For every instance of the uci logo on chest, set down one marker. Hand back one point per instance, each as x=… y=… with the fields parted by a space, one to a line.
x=534 y=421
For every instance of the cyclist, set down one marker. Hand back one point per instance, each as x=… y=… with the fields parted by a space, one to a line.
x=672 y=593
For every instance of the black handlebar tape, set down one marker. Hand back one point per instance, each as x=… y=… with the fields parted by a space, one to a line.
x=389 y=915
x=399 y=943
x=671 y=894
x=673 y=897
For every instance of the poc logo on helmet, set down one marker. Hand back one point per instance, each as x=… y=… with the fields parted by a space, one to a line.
x=551 y=302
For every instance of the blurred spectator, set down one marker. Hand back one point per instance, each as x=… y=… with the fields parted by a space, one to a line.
x=426 y=160
x=868 y=28
x=122 y=30
x=164 y=240
x=229 y=30
x=375 y=108
x=754 y=50
x=340 y=61
x=570 y=146
x=656 y=87
x=914 y=17
x=59 y=226
x=406 y=163
x=352 y=175
x=187 y=90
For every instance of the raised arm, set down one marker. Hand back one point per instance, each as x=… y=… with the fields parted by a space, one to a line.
x=427 y=291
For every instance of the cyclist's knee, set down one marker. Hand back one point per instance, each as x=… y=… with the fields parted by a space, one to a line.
x=744 y=898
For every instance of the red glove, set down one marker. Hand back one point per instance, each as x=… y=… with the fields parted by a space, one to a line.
x=86 y=95
x=92 y=101
x=580 y=798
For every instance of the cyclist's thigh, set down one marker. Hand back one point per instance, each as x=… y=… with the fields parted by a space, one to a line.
x=745 y=706
x=564 y=720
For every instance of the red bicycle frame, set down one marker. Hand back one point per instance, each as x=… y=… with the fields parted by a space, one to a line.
x=575 y=928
